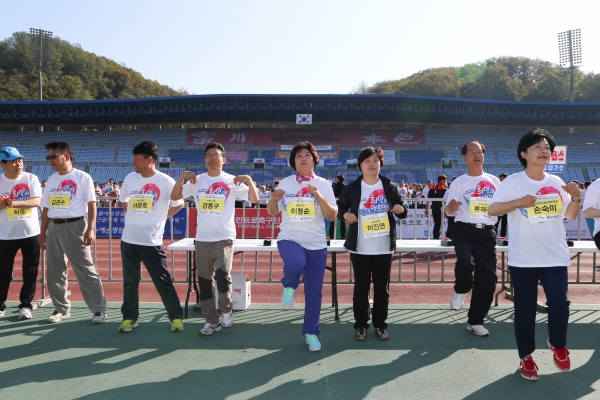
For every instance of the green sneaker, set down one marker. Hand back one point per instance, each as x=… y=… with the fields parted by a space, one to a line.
x=176 y=325
x=287 y=298
x=128 y=325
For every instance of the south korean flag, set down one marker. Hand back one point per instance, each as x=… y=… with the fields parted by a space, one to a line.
x=303 y=119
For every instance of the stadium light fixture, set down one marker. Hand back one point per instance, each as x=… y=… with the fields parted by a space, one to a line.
x=40 y=52
x=569 y=50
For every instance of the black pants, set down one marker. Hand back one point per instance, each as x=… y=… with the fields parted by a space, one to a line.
x=155 y=260
x=554 y=280
x=475 y=267
x=437 y=222
x=597 y=240
x=366 y=267
x=342 y=229
x=30 y=250
x=501 y=225
x=449 y=228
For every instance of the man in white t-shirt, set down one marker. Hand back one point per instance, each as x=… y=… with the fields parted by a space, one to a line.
x=68 y=229
x=402 y=188
x=474 y=237
x=215 y=193
x=264 y=196
x=591 y=207
x=146 y=199
x=20 y=194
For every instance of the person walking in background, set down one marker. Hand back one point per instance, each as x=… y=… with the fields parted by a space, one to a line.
x=536 y=203
x=305 y=200
x=67 y=232
x=146 y=199
x=474 y=237
x=437 y=192
x=372 y=201
x=20 y=194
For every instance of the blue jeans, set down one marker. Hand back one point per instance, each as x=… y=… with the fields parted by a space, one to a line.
x=299 y=261
x=525 y=283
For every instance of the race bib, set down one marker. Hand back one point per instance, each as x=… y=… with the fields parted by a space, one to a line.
x=300 y=209
x=140 y=204
x=18 y=214
x=60 y=201
x=211 y=204
x=478 y=207
x=375 y=225
x=547 y=207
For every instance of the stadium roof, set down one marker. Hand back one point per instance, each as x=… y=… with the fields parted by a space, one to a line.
x=283 y=109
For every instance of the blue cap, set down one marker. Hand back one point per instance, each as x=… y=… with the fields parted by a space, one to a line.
x=9 y=154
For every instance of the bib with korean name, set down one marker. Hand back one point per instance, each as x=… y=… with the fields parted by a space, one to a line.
x=211 y=204
x=18 y=214
x=375 y=225
x=141 y=204
x=547 y=207
x=59 y=201
x=478 y=207
x=300 y=209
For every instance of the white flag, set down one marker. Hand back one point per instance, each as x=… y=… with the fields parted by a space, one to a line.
x=303 y=119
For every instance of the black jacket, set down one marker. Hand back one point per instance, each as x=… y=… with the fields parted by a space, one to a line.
x=350 y=198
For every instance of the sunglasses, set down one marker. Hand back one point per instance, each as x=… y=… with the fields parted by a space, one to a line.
x=214 y=155
x=53 y=156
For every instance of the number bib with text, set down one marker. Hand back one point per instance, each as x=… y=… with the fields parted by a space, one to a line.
x=300 y=209
x=59 y=201
x=140 y=204
x=478 y=207
x=375 y=225
x=211 y=204
x=547 y=207
x=18 y=214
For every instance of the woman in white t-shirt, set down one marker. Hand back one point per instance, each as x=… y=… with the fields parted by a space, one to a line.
x=536 y=203
x=305 y=200
x=372 y=200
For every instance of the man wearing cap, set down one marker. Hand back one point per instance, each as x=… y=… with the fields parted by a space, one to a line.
x=474 y=237
x=20 y=194
x=66 y=234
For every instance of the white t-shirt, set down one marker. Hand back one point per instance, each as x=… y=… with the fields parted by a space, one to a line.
x=215 y=201
x=477 y=190
x=148 y=201
x=67 y=196
x=592 y=199
x=373 y=219
x=535 y=245
x=264 y=197
x=19 y=223
x=309 y=232
x=403 y=191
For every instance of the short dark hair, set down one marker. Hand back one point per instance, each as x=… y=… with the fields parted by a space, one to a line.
x=215 y=145
x=442 y=177
x=62 y=146
x=146 y=149
x=303 y=145
x=531 y=138
x=463 y=151
x=340 y=177
x=368 y=152
x=503 y=175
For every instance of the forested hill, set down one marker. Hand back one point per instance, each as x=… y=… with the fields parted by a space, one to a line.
x=75 y=74
x=501 y=78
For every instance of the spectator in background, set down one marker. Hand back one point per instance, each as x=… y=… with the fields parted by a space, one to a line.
x=437 y=192
x=97 y=189
x=338 y=187
x=402 y=188
x=502 y=224
x=264 y=196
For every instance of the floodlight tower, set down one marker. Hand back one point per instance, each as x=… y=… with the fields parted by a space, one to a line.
x=40 y=52
x=569 y=49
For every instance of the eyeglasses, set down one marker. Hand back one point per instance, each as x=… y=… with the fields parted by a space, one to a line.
x=214 y=155
x=53 y=156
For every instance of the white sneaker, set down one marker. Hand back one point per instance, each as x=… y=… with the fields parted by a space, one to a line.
x=479 y=330
x=209 y=329
x=458 y=301
x=227 y=320
x=99 y=317
x=2 y=312
x=24 y=313
x=57 y=316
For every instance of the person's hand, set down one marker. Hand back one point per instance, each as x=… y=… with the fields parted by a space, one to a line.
x=277 y=195
x=397 y=209
x=350 y=217
x=528 y=200
x=42 y=240
x=313 y=190
x=452 y=206
x=88 y=237
x=573 y=190
x=188 y=175
x=242 y=179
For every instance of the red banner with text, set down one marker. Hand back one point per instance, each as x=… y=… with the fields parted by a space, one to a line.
x=265 y=222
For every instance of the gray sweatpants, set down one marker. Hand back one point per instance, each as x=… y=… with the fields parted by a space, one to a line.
x=65 y=241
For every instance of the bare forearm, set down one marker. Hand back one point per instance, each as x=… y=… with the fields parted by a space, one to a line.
x=503 y=208
x=92 y=215
x=29 y=203
x=173 y=210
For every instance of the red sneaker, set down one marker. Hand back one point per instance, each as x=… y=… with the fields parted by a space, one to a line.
x=529 y=369
x=561 y=357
